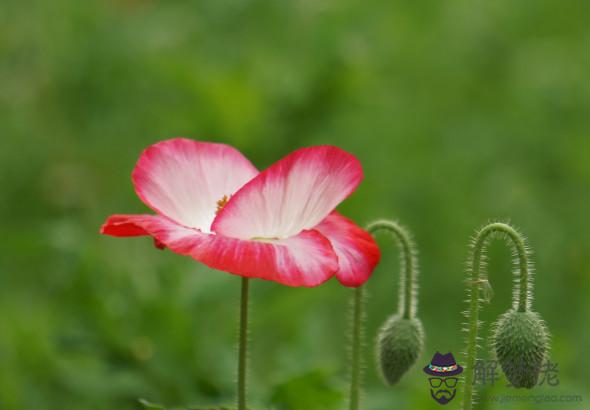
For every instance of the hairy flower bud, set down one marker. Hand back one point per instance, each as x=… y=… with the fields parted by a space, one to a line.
x=399 y=343
x=520 y=341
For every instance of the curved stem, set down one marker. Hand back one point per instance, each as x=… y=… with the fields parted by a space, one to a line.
x=408 y=265
x=243 y=344
x=476 y=278
x=407 y=303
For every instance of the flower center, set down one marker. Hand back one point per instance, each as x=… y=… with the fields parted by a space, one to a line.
x=221 y=203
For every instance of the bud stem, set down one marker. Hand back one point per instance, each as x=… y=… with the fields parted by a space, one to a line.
x=521 y=295
x=243 y=345
x=407 y=302
x=408 y=265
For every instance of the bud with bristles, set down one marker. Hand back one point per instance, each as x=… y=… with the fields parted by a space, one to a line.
x=400 y=342
x=520 y=341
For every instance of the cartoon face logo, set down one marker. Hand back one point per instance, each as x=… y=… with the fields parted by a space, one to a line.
x=442 y=371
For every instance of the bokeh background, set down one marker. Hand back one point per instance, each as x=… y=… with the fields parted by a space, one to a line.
x=460 y=112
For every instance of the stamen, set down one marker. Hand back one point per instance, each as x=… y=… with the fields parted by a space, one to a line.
x=221 y=203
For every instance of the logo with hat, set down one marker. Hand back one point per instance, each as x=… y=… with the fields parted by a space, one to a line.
x=442 y=370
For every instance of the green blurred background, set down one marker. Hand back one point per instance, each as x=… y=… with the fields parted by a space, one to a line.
x=460 y=112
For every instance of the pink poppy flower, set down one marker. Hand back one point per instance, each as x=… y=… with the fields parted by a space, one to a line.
x=212 y=204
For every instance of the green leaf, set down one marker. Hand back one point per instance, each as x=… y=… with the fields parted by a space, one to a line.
x=151 y=406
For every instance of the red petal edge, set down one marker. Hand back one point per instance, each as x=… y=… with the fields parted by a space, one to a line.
x=357 y=251
x=307 y=259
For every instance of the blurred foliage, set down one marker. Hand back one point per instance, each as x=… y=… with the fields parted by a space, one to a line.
x=459 y=111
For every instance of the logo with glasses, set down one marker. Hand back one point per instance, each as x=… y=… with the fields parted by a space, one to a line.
x=442 y=371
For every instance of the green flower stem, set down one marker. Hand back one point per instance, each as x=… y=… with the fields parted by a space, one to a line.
x=243 y=344
x=406 y=308
x=357 y=336
x=407 y=286
x=476 y=278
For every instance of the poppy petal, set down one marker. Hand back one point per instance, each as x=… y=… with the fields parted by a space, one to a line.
x=294 y=194
x=306 y=259
x=357 y=251
x=123 y=226
x=184 y=179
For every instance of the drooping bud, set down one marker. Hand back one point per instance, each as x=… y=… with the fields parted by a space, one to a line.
x=520 y=342
x=399 y=343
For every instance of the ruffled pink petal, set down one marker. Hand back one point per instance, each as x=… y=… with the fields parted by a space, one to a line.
x=183 y=179
x=357 y=252
x=294 y=194
x=306 y=259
